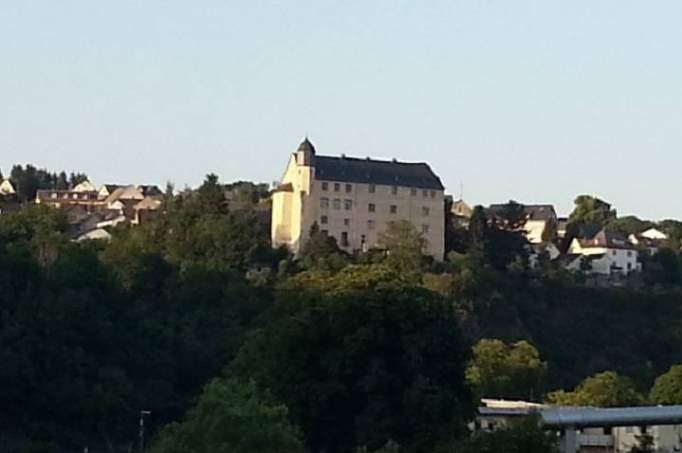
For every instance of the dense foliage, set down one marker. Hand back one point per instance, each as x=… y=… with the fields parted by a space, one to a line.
x=193 y=316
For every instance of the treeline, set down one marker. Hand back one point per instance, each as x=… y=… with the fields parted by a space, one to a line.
x=233 y=346
x=28 y=180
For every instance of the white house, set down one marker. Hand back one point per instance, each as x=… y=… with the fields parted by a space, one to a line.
x=654 y=234
x=604 y=253
x=7 y=188
x=85 y=186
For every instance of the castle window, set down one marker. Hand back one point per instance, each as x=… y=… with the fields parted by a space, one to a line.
x=425 y=211
x=372 y=188
x=371 y=207
x=337 y=187
x=324 y=220
x=347 y=204
x=371 y=224
x=344 y=239
x=425 y=193
x=349 y=188
x=394 y=209
x=425 y=229
x=346 y=222
x=337 y=203
x=324 y=203
x=325 y=186
x=394 y=190
x=325 y=232
x=433 y=194
x=413 y=192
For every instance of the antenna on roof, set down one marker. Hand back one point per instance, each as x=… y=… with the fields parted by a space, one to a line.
x=461 y=190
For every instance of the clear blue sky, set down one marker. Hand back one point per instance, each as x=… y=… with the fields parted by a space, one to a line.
x=535 y=101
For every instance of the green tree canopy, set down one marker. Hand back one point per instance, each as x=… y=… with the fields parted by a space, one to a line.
x=361 y=367
x=525 y=437
x=500 y=370
x=607 y=389
x=591 y=210
x=404 y=245
x=232 y=417
x=667 y=388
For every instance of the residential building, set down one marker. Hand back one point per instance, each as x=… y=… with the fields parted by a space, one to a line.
x=354 y=199
x=540 y=220
x=603 y=253
x=7 y=188
x=654 y=234
x=63 y=198
x=461 y=213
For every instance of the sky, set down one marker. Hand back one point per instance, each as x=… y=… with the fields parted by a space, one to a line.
x=535 y=101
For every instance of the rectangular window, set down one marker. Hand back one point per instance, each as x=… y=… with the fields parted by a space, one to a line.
x=614 y=253
x=394 y=190
x=394 y=209
x=425 y=211
x=324 y=220
x=371 y=224
x=372 y=188
x=349 y=188
x=413 y=192
x=344 y=239
x=425 y=193
x=325 y=186
x=433 y=194
x=337 y=203
x=425 y=229
x=324 y=203
x=629 y=253
x=325 y=232
x=337 y=187
x=347 y=205
x=371 y=207
x=346 y=222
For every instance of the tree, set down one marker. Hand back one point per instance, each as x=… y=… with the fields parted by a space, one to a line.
x=591 y=210
x=667 y=388
x=320 y=252
x=232 y=417
x=524 y=437
x=361 y=367
x=500 y=370
x=403 y=244
x=498 y=237
x=607 y=389
x=629 y=225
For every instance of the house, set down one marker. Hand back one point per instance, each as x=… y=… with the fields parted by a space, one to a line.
x=107 y=189
x=85 y=186
x=354 y=199
x=654 y=234
x=7 y=188
x=461 y=213
x=603 y=253
x=62 y=198
x=540 y=220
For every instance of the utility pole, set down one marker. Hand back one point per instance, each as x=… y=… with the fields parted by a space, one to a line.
x=143 y=414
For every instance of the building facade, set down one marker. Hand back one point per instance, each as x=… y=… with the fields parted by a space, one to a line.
x=353 y=200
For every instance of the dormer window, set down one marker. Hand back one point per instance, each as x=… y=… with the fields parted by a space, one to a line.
x=325 y=186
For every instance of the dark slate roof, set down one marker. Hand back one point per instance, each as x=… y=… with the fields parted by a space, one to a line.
x=607 y=239
x=306 y=146
x=370 y=171
x=532 y=211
